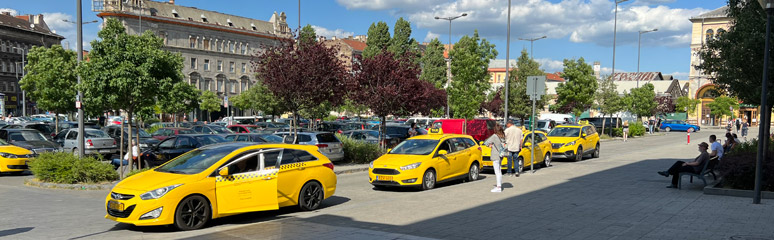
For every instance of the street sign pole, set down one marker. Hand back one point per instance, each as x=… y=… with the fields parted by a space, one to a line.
x=536 y=86
x=532 y=147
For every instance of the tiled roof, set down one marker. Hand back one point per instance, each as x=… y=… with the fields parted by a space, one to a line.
x=717 y=13
x=500 y=63
x=355 y=44
x=23 y=23
x=641 y=76
x=554 y=77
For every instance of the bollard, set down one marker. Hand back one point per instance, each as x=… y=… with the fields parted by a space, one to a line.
x=689 y=135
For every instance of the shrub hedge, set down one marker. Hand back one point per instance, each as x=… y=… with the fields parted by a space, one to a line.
x=737 y=168
x=359 y=151
x=636 y=129
x=68 y=168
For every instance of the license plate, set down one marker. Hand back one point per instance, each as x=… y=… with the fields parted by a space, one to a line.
x=105 y=151
x=487 y=164
x=384 y=178
x=116 y=206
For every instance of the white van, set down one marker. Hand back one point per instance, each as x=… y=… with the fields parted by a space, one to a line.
x=558 y=118
x=422 y=122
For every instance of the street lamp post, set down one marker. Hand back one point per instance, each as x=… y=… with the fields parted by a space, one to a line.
x=507 y=63
x=639 y=44
x=615 y=29
x=531 y=42
x=763 y=127
x=448 y=73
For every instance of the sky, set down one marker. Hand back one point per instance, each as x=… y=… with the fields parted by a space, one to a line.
x=573 y=28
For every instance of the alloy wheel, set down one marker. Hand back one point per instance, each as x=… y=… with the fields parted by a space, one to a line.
x=311 y=196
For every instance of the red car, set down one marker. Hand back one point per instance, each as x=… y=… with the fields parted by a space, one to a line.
x=164 y=133
x=241 y=128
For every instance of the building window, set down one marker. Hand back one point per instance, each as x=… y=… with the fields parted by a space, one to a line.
x=2 y=66
x=192 y=41
x=231 y=46
x=206 y=64
x=220 y=65
x=12 y=66
x=710 y=34
x=204 y=19
x=243 y=49
x=231 y=67
x=12 y=87
x=244 y=85
x=2 y=45
x=206 y=43
x=244 y=67
x=163 y=36
x=720 y=32
x=232 y=86
x=220 y=85
x=194 y=63
x=220 y=45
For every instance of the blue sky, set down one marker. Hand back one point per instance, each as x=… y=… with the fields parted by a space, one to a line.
x=575 y=28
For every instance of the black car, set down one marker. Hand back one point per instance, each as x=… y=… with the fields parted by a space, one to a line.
x=46 y=129
x=146 y=140
x=176 y=145
x=254 y=137
x=396 y=130
x=28 y=138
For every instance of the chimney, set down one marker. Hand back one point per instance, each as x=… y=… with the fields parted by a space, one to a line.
x=172 y=2
x=597 y=69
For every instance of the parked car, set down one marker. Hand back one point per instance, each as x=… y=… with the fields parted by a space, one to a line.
x=176 y=145
x=524 y=160
x=13 y=159
x=370 y=136
x=678 y=125
x=211 y=129
x=334 y=127
x=172 y=124
x=254 y=137
x=479 y=129
x=113 y=120
x=96 y=142
x=164 y=133
x=609 y=121
x=44 y=128
x=30 y=139
x=573 y=141
x=67 y=125
x=146 y=140
x=328 y=143
x=559 y=118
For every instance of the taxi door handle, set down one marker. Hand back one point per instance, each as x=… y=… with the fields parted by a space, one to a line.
x=267 y=178
x=301 y=168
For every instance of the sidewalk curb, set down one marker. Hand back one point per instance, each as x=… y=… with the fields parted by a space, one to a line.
x=34 y=182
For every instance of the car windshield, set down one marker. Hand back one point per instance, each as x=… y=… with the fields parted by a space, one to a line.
x=219 y=129
x=95 y=134
x=564 y=132
x=185 y=131
x=415 y=147
x=27 y=136
x=541 y=124
x=143 y=133
x=374 y=134
x=211 y=139
x=196 y=160
x=271 y=138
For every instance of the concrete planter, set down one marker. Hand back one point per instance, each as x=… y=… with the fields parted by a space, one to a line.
x=79 y=186
x=717 y=189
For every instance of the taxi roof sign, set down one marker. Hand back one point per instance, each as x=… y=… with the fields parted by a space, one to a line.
x=435 y=131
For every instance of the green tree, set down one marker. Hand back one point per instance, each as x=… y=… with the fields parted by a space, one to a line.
x=577 y=94
x=181 y=99
x=210 y=103
x=721 y=106
x=401 y=41
x=434 y=64
x=519 y=104
x=128 y=72
x=470 y=59
x=641 y=100
x=606 y=99
x=51 y=78
x=378 y=39
x=350 y=107
x=259 y=98
x=307 y=34
x=686 y=104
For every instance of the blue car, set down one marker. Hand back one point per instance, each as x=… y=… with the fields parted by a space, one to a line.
x=678 y=125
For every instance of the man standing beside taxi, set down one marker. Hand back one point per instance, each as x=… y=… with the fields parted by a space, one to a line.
x=513 y=136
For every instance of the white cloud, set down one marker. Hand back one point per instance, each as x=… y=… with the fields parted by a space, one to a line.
x=550 y=65
x=430 y=36
x=652 y=2
x=12 y=11
x=339 y=33
x=405 y=5
x=679 y=75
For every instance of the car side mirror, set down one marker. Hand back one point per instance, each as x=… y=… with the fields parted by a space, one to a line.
x=223 y=171
x=389 y=150
x=583 y=135
x=526 y=145
x=481 y=143
x=442 y=152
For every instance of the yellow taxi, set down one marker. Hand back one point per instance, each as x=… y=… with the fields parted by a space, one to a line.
x=424 y=160
x=13 y=159
x=573 y=141
x=221 y=180
x=542 y=152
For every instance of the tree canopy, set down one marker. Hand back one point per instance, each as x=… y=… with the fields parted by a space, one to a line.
x=434 y=64
x=51 y=78
x=640 y=100
x=469 y=67
x=576 y=95
x=686 y=104
x=519 y=104
x=401 y=41
x=307 y=35
x=182 y=98
x=378 y=39
x=209 y=102
x=721 y=106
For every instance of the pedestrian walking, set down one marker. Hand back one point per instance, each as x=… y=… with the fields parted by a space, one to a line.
x=625 y=130
x=497 y=143
x=651 y=123
x=738 y=124
x=513 y=136
x=745 y=127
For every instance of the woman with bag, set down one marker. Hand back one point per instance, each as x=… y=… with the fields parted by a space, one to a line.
x=497 y=143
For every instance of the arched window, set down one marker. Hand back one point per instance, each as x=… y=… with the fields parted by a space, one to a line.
x=710 y=34
x=720 y=32
x=195 y=79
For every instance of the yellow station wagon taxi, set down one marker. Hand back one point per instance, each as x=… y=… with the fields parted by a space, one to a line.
x=13 y=159
x=542 y=152
x=573 y=141
x=221 y=180
x=424 y=160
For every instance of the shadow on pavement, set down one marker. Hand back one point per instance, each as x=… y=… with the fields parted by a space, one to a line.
x=9 y=232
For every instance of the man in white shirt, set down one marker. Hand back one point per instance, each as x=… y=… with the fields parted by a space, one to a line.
x=513 y=137
x=716 y=149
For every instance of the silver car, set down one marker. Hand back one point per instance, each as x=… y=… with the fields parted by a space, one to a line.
x=328 y=144
x=95 y=142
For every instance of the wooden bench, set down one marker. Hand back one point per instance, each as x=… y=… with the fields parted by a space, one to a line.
x=707 y=169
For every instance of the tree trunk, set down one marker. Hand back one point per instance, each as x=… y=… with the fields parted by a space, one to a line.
x=121 y=149
x=129 y=151
x=295 y=126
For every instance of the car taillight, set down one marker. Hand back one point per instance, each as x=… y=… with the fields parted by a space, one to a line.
x=114 y=142
x=322 y=145
x=89 y=142
x=328 y=165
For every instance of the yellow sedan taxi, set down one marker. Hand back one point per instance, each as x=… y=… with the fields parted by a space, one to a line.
x=221 y=180
x=13 y=159
x=573 y=141
x=424 y=160
x=542 y=152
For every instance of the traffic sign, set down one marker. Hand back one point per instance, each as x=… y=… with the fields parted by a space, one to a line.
x=78 y=105
x=536 y=86
x=225 y=101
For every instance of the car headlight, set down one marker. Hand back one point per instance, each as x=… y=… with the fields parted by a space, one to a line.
x=410 y=166
x=155 y=194
x=8 y=155
x=570 y=143
x=371 y=165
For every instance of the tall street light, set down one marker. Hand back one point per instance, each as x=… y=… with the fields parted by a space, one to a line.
x=531 y=42
x=763 y=127
x=79 y=98
x=615 y=29
x=639 y=44
x=507 y=62
x=448 y=73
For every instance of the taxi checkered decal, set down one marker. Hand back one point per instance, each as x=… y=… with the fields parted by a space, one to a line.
x=260 y=174
x=292 y=165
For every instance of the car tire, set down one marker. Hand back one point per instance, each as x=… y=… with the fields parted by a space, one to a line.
x=579 y=154
x=473 y=172
x=520 y=167
x=311 y=196
x=192 y=213
x=596 y=152
x=691 y=130
x=547 y=160
x=668 y=129
x=428 y=179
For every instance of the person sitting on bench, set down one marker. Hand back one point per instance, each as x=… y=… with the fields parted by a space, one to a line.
x=694 y=167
